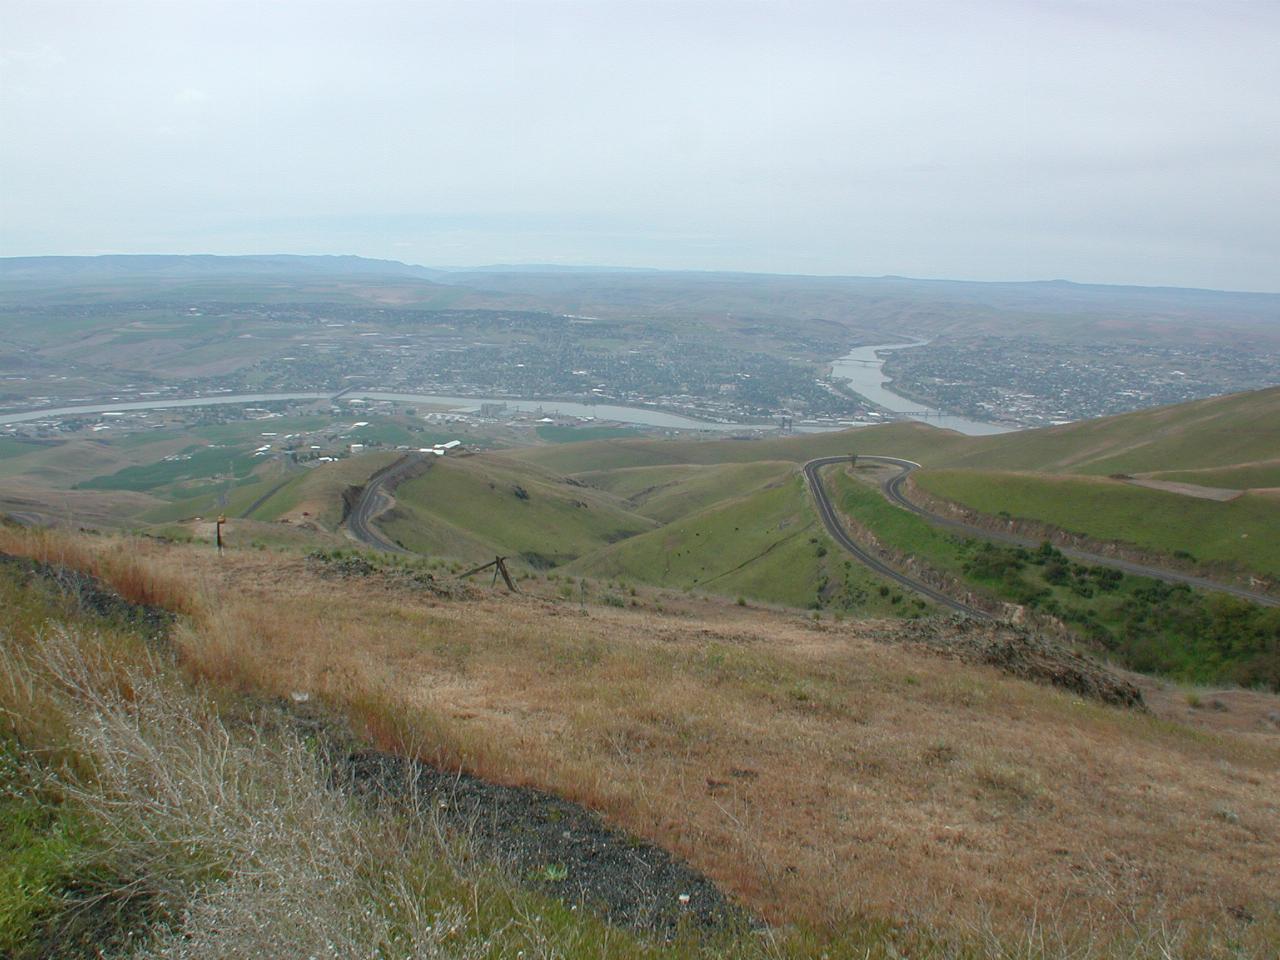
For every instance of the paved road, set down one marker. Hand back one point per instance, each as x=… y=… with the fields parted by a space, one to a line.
x=893 y=490
x=376 y=499
x=832 y=522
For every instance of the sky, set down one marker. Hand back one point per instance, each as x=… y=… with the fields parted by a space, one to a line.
x=1108 y=142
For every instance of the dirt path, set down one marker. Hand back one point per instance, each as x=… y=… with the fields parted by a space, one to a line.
x=1221 y=494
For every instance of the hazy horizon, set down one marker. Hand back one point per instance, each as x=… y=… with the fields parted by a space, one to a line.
x=1132 y=144
x=535 y=266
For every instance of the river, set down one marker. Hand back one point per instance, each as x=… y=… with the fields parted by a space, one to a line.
x=601 y=411
x=863 y=367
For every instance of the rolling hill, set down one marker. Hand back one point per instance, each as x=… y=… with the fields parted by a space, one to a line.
x=1241 y=531
x=1203 y=434
x=477 y=507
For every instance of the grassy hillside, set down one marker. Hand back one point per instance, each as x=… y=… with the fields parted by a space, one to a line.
x=863 y=796
x=736 y=529
x=166 y=474
x=553 y=433
x=317 y=494
x=667 y=492
x=212 y=499
x=64 y=464
x=906 y=439
x=1245 y=476
x=1237 y=428
x=1239 y=532
x=479 y=506
x=1204 y=434
x=1141 y=623
x=767 y=545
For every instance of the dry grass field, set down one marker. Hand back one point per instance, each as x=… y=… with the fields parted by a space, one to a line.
x=820 y=771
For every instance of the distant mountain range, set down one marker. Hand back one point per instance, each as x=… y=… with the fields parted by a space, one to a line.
x=59 y=269
x=1051 y=309
x=136 y=266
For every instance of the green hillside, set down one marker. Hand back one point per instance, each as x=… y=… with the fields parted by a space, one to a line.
x=906 y=439
x=1217 y=432
x=318 y=491
x=484 y=505
x=1144 y=624
x=668 y=492
x=62 y=465
x=767 y=545
x=1238 y=532
x=1245 y=476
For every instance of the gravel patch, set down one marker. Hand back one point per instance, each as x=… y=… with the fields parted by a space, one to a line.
x=557 y=847
x=90 y=594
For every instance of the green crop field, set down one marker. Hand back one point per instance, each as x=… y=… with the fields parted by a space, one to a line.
x=200 y=462
x=12 y=449
x=1241 y=532
x=248 y=431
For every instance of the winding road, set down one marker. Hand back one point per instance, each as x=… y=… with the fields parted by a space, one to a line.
x=831 y=520
x=892 y=489
x=375 y=499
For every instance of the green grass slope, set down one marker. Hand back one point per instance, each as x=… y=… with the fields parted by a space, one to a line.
x=906 y=439
x=1245 y=476
x=767 y=545
x=669 y=492
x=1241 y=532
x=1220 y=431
x=1141 y=623
x=318 y=491
x=1204 y=434
x=65 y=464
x=493 y=504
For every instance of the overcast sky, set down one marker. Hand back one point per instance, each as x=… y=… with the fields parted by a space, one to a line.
x=1107 y=142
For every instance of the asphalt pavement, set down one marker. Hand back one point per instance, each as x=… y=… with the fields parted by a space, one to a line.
x=894 y=492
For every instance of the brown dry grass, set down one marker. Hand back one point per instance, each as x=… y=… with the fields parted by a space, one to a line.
x=811 y=769
x=151 y=577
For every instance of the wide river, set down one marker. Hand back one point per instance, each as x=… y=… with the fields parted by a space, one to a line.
x=864 y=369
x=601 y=411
